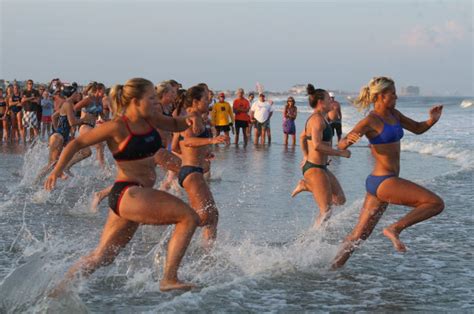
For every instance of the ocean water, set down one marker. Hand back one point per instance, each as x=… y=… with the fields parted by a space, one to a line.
x=266 y=258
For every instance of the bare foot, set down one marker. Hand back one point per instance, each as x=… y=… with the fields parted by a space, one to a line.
x=300 y=187
x=393 y=236
x=168 y=285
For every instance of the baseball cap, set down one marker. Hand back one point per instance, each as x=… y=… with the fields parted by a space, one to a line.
x=331 y=94
x=221 y=95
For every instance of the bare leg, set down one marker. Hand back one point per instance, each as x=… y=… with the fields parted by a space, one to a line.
x=116 y=234
x=317 y=181
x=135 y=209
x=245 y=136
x=100 y=154
x=293 y=137
x=269 y=135
x=285 y=139
x=338 y=197
x=256 y=136
x=202 y=201
x=237 y=131
x=263 y=133
x=55 y=147
x=82 y=154
x=300 y=187
x=98 y=197
x=403 y=192
x=371 y=212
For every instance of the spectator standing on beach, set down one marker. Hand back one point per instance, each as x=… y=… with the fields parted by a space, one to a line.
x=4 y=116
x=241 y=108
x=47 y=111
x=14 y=108
x=252 y=121
x=289 y=117
x=261 y=111
x=335 y=116
x=222 y=117
x=30 y=103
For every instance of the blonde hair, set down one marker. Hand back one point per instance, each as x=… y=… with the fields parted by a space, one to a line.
x=122 y=95
x=368 y=94
x=163 y=88
x=92 y=88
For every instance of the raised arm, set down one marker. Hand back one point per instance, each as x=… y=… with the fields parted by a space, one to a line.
x=83 y=103
x=179 y=124
x=420 y=127
x=71 y=117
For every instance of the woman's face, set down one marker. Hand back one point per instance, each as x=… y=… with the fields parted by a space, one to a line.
x=389 y=98
x=148 y=104
x=202 y=104
x=325 y=103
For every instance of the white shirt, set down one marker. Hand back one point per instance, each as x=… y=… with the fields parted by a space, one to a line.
x=261 y=110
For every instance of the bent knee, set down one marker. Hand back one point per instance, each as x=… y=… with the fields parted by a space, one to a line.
x=438 y=205
x=339 y=200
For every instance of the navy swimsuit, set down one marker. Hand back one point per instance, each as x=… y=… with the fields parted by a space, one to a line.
x=137 y=146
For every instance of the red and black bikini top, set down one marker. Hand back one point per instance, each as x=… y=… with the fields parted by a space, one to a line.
x=139 y=146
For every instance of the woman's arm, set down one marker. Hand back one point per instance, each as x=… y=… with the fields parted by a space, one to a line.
x=83 y=103
x=71 y=116
x=167 y=160
x=361 y=129
x=95 y=136
x=317 y=138
x=160 y=121
x=420 y=127
x=191 y=141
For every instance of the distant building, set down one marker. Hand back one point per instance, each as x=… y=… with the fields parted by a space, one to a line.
x=298 y=89
x=410 y=91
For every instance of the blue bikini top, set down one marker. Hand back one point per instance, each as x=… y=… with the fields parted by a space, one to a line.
x=139 y=146
x=95 y=107
x=391 y=133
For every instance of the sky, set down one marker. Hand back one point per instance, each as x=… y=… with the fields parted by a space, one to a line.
x=231 y=44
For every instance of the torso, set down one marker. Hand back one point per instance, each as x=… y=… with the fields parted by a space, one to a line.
x=315 y=156
x=387 y=133
x=135 y=161
x=195 y=156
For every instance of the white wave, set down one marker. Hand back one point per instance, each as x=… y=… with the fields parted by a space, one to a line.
x=444 y=149
x=466 y=103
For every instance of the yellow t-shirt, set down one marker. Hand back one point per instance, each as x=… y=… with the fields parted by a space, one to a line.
x=222 y=114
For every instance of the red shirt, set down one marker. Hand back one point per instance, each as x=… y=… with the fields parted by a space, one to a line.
x=241 y=104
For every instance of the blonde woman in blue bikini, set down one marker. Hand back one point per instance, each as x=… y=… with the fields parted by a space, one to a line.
x=384 y=128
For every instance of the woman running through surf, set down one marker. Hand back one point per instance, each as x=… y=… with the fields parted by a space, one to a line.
x=194 y=145
x=133 y=140
x=91 y=108
x=63 y=120
x=384 y=128
x=316 y=144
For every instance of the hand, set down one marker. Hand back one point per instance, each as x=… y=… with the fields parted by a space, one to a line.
x=345 y=153
x=220 y=139
x=302 y=163
x=435 y=112
x=353 y=138
x=50 y=182
x=210 y=156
